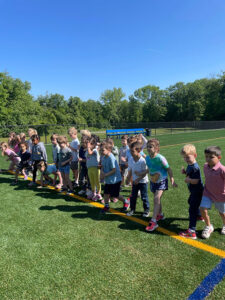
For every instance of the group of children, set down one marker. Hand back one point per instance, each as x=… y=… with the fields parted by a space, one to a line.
x=93 y=162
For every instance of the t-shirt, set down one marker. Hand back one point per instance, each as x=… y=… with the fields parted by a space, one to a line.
x=123 y=153
x=129 y=155
x=55 y=152
x=82 y=155
x=75 y=144
x=138 y=166
x=215 y=182
x=25 y=156
x=12 y=156
x=109 y=163
x=64 y=155
x=93 y=159
x=193 y=171
x=158 y=164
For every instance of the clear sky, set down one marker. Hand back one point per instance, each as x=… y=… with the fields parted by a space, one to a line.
x=83 y=47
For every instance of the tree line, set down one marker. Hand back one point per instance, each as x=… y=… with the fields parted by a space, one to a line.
x=203 y=99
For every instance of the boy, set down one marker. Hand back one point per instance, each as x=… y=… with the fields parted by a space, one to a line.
x=123 y=162
x=74 y=146
x=38 y=153
x=47 y=170
x=214 y=190
x=138 y=165
x=195 y=186
x=111 y=175
x=55 y=148
x=83 y=178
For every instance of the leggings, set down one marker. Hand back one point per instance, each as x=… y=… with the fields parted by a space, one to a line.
x=94 y=177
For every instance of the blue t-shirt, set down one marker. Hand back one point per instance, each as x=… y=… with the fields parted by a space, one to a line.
x=109 y=163
x=193 y=171
x=157 y=164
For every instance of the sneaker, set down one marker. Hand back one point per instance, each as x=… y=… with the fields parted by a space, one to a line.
x=160 y=217
x=126 y=206
x=207 y=231
x=223 y=230
x=98 y=197
x=25 y=177
x=190 y=234
x=130 y=213
x=103 y=201
x=105 y=209
x=69 y=192
x=151 y=226
x=146 y=214
x=200 y=218
x=90 y=196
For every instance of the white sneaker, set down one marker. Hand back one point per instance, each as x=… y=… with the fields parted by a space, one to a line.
x=223 y=230
x=82 y=192
x=207 y=231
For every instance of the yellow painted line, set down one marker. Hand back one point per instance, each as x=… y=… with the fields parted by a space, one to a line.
x=193 y=243
x=192 y=142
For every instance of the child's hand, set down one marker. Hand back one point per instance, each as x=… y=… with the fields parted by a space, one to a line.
x=183 y=170
x=102 y=176
x=136 y=181
x=62 y=164
x=155 y=177
x=173 y=182
x=123 y=159
x=187 y=179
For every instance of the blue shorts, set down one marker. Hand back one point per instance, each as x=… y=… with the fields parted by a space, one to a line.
x=51 y=169
x=207 y=203
x=65 y=169
x=162 y=185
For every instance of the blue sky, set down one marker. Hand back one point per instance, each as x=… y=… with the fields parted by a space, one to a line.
x=83 y=47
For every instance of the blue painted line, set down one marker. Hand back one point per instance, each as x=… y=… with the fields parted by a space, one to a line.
x=208 y=284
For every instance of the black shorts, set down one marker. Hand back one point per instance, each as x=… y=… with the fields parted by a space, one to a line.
x=112 y=189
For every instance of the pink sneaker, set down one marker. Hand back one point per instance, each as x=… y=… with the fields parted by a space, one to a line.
x=97 y=197
x=151 y=226
x=188 y=234
x=115 y=200
x=160 y=217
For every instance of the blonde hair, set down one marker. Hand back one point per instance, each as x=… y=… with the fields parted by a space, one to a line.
x=188 y=149
x=85 y=132
x=62 y=139
x=32 y=131
x=5 y=145
x=72 y=130
x=22 y=135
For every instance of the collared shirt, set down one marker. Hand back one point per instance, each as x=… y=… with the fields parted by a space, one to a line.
x=215 y=182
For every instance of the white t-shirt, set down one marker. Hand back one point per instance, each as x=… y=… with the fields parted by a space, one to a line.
x=75 y=144
x=138 y=166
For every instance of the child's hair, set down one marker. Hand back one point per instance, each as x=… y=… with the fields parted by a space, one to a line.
x=35 y=136
x=54 y=136
x=62 y=139
x=110 y=141
x=137 y=146
x=72 y=130
x=214 y=150
x=23 y=143
x=155 y=142
x=96 y=137
x=41 y=164
x=124 y=137
x=131 y=140
x=85 y=132
x=188 y=149
x=32 y=131
x=5 y=145
x=93 y=141
x=106 y=145
x=22 y=135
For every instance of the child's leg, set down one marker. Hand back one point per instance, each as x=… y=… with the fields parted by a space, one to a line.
x=16 y=175
x=60 y=177
x=133 y=198
x=91 y=175
x=35 y=171
x=63 y=179
x=68 y=181
x=144 y=196
x=222 y=217
x=97 y=180
x=157 y=204
x=204 y=213
x=194 y=202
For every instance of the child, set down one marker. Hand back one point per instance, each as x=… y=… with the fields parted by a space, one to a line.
x=123 y=162
x=92 y=162
x=38 y=153
x=111 y=175
x=12 y=156
x=47 y=170
x=158 y=169
x=195 y=186
x=138 y=170
x=214 y=190
x=74 y=146
x=31 y=132
x=55 y=148
x=65 y=157
x=83 y=168
x=115 y=150
x=24 y=164
x=22 y=137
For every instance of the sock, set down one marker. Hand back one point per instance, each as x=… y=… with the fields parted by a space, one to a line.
x=153 y=220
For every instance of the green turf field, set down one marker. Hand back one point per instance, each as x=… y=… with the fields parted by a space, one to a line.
x=56 y=247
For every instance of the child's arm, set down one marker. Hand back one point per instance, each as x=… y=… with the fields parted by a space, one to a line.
x=103 y=175
x=90 y=152
x=67 y=161
x=169 y=170
x=128 y=176
x=191 y=181
x=41 y=179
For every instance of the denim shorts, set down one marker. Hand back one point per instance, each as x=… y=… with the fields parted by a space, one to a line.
x=65 y=169
x=162 y=185
x=207 y=203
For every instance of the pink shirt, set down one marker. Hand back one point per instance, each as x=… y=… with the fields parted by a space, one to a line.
x=12 y=155
x=215 y=182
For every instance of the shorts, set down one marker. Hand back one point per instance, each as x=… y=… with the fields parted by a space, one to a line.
x=112 y=189
x=22 y=166
x=65 y=169
x=51 y=169
x=207 y=203
x=74 y=165
x=162 y=185
x=123 y=170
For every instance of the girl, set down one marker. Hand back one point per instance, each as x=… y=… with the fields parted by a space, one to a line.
x=92 y=162
x=24 y=164
x=12 y=156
